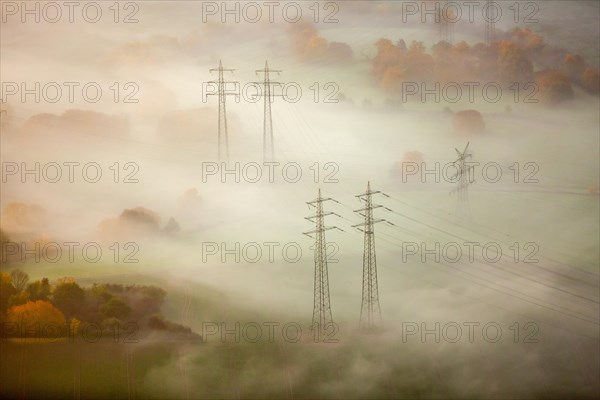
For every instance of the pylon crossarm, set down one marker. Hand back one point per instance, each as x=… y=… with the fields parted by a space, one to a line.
x=222 y=69
x=322 y=230
x=455 y=176
x=367 y=208
x=224 y=94
x=217 y=82
x=271 y=95
x=372 y=222
x=367 y=193
x=462 y=170
x=269 y=82
x=323 y=215
x=322 y=200
x=254 y=96
x=460 y=187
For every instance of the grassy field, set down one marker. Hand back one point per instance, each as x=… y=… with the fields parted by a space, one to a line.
x=178 y=370
x=43 y=370
x=357 y=370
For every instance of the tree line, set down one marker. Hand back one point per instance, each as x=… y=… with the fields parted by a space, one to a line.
x=28 y=306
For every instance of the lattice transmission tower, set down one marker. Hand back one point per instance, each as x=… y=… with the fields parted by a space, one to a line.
x=370 y=310
x=223 y=140
x=464 y=178
x=267 y=93
x=490 y=25
x=322 y=317
x=446 y=23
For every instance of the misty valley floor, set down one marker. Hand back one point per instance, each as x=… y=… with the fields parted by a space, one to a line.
x=366 y=368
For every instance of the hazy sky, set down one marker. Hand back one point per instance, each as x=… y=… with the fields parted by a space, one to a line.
x=165 y=140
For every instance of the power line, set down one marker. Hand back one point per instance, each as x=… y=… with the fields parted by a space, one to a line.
x=462 y=294
x=549 y=306
x=494 y=238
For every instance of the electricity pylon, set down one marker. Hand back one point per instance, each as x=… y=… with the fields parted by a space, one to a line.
x=268 y=148
x=322 y=318
x=223 y=141
x=490 y=26
x=464 y=179
x=370 y=311
x=446 y=25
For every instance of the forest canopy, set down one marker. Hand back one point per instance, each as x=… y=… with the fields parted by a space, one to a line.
x=27 y=307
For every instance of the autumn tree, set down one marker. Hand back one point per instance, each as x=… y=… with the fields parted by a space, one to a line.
x=68 y=296
x=20 y=297
x=416 y=47
x=392 y=79
x=525 y=39
x=441 y=49
x=39 y=290
x=419 y=65
x=144 y=300
x=388 y=56
x=554 y=86
x=141 y=218
x=468 y=122
x=513 y=64
x=35 y=316
x=340 y=52
x=115 y=308
x=444 y=62
x=573 y=66
x=3 y=239
x=6 y=291
x=94 y=297
x=159 y=323
x=19 y=279
x=153 y=297
x=590 y=80
x=401 y=45
x=74 y=325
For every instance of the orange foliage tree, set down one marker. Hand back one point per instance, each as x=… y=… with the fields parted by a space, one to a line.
x=526 y=39
x=6 y=291
x=513 y=64
x=590 y=80
x=554 y=86
x=574 y=65
x=468 y=122
x=34 y=316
